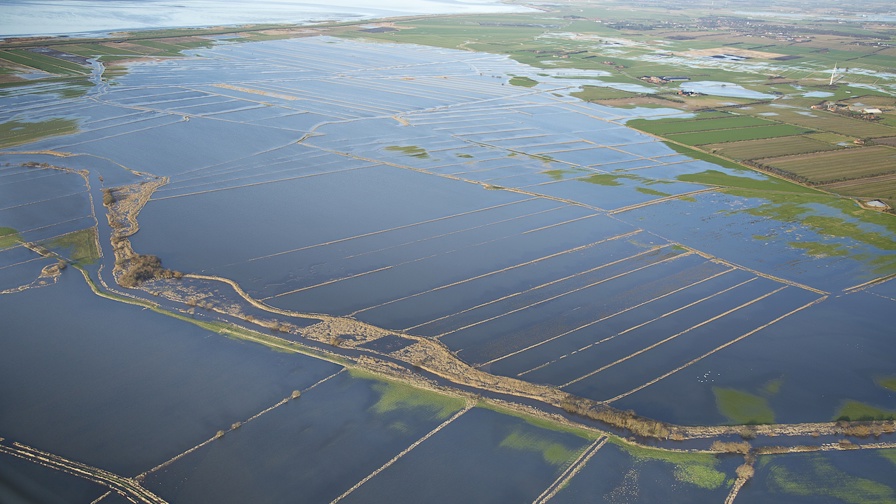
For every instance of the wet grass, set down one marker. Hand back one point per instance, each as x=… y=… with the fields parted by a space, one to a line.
x=80 y=247
x=21 y=132
x=602 y=179
x=698 y=124
x=888 y=454
x=541 y=423
x=818 y=249
x=695 y=468
x=859 y=411
x=396 y=396
x=561 y=174
x=523 y=82
x=595 y=93
x=9 y=237
x=553 y=453
x=887 y=382
x=823 y=479
x=651 y=192
x=852 y=224
x=743 y=407
x=409 y=150
x=717 y=178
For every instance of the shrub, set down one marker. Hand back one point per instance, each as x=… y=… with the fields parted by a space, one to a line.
x=108 y=197
x=745 y=471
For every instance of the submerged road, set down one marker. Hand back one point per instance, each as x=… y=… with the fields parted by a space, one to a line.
x=127 y=487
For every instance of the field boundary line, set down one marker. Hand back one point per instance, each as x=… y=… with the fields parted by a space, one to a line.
x=130 y=488
x=661 y=200
x=871 y=283
x=373 y=233
x=571 y=471
x=593 y=322
x=566 y=293
x=502 y=270
x=216 y=436
x=670 y=338
x=707 y=354
x=608 y=338
x=755 y=272
x=404 y=452
x=738 y=484
x=531 y=289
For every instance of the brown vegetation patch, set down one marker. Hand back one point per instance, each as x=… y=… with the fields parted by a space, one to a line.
x=734 y=51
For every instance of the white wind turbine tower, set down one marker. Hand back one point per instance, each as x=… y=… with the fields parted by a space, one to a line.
x=834 y=73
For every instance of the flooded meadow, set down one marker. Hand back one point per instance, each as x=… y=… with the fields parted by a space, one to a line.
x=416 y=191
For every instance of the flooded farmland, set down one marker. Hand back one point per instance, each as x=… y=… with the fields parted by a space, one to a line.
x=396 y=196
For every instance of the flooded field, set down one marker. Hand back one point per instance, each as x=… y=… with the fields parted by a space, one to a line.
x=864 y=476
x=130 y=399
x=401 y=195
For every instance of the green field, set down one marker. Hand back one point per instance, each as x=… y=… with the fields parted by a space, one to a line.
x=9 y=237
x=737 y=135
x=822 y=120
x=79 y=247
x=883 y=188
x=523 y=82
x=42 y=62
x=596 y=93
x=19 y=132
x=769 y=147
x=848 y=164
x=673 y=126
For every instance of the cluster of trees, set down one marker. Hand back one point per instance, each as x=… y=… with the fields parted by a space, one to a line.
x=141 y=268
x=637 y=425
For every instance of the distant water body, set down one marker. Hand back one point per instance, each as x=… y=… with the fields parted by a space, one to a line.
x=81 y=17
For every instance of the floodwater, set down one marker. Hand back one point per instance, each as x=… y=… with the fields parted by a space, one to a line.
x=27 y=17
x=832 y=477
x=23 y=482
x=615 y=475
x=133 y=398
x=532 y=234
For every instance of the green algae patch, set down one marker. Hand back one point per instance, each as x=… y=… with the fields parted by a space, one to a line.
x=717 y=178
x=743 y=407
x=889 y=454
x=821 y=478
x=845 y=220
x=523 y=82
x=651 y=192
x=887 y=382
x=409 y=150
x=772 y=387
x=9 y=237
x=554 y=453
x=818 y=249
x=542 y=423
x=859 y=411
x=698 y=469
x=79 y=247
x=561 y=174
x=396 y=396
x=602 y=179
x=21 y=132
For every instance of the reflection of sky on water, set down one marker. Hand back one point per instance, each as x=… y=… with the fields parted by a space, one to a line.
x=52 y=17
x=716 y=88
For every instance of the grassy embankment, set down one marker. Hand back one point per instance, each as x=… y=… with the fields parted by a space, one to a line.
x=9 y=237
x=21 y=132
